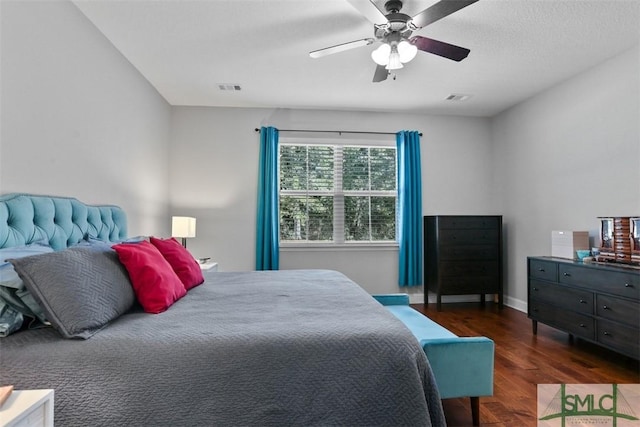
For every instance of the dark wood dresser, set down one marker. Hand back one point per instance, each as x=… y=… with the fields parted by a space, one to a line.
x=463 y=255
x=597 y=302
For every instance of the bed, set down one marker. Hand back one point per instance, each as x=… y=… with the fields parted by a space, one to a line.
x=296 y=347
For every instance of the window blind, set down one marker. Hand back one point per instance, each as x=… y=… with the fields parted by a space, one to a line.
x=337 y=193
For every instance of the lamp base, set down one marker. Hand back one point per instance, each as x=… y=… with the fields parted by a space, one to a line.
x=184 y=242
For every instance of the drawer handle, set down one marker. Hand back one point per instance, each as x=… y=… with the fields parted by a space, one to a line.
x=541 y=269
x=582 y=325
x=628 y=285
x=607 y=333
x=534 y=288
x=582 y=301
x=566 y=274
x=605 y=307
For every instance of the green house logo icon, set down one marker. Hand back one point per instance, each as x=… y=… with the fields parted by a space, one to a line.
x=590 y=404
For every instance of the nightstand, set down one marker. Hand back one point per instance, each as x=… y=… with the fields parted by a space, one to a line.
x=209 y=266
x=27 y=408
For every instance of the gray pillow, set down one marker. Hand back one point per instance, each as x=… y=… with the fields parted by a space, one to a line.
x=81 y=289
x=16 y=303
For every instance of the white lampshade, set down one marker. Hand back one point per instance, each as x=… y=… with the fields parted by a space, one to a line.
x=394 y=60
x=183 y=226
x=381 y=55
x=407 y=51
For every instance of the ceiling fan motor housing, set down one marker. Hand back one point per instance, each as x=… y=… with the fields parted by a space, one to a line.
x=397 y=23
x=396 y=27
x=393 y=6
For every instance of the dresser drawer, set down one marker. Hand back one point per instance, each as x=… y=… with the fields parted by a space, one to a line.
x=626 y=284
x=469 y=252
x=450 y=236
x=469 y=268
x=469 y=285
x=618 y=309
x=626 y=339
x=546 y=270
x=469 y=222
x=575 y=323
x=561 y=296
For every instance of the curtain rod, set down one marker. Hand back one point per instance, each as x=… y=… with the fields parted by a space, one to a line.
x=340 y=132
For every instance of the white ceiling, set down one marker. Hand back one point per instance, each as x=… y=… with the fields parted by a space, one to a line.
x=185 y=48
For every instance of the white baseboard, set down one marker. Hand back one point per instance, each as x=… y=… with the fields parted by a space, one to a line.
x=416 y=298
x=516 y=304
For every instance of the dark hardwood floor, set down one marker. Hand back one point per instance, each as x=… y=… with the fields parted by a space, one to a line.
x=524 y=360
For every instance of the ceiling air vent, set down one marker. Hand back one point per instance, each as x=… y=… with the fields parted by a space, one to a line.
x=457 y=97
x=229 y=86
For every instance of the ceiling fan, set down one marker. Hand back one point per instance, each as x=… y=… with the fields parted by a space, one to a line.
x=394 y=31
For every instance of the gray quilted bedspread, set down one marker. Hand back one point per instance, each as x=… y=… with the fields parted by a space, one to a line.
x=286 y=348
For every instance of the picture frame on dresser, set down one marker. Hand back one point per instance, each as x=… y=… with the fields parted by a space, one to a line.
x=635 y=240
x=619 y=239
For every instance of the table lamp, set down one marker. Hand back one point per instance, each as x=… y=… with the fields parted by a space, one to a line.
x=183 y=227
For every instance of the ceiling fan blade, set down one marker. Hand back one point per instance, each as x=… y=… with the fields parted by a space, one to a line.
x=438 y=11
x=446 y=50
x=340 y=48
x=380 y=74
x=369 y=10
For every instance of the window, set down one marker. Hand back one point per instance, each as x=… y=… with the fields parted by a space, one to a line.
x=337 y=193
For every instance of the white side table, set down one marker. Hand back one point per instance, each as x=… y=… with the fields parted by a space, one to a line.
x=209 y=266
x=27 y=408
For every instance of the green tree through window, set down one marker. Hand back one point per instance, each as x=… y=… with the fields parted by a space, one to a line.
x=337 y=193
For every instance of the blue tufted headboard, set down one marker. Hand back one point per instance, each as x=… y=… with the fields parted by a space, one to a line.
x=26 y=218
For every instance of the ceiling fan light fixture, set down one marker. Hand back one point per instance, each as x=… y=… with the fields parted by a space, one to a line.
x=393 y=55
x=407 y=51
x=394 y=60
x=381 y=55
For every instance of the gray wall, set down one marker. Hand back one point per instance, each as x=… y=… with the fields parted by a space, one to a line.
x=77 y=119
x=214 y=164
x=565 y=157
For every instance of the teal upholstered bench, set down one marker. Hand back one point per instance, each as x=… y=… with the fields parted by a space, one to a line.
x=462 y=366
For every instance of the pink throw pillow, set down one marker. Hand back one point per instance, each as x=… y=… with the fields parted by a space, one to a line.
x=155 y=283
x=185 y=266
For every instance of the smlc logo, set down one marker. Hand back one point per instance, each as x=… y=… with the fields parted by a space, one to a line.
x=588 y=404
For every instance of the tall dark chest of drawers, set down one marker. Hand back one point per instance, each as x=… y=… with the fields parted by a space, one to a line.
x=599 y=303
x=463 y=255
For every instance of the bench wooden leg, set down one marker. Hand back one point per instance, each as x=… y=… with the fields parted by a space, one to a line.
x=475 y=410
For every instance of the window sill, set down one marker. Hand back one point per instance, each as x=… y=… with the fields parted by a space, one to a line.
x=386 y=246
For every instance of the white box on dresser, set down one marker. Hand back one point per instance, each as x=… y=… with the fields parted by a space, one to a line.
x=564 y=244
x=27 y=408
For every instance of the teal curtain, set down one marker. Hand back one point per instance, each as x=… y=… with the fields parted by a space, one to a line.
x=409 y=208
x=267 y=229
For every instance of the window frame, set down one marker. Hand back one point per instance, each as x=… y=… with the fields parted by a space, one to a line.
x=338 y=192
